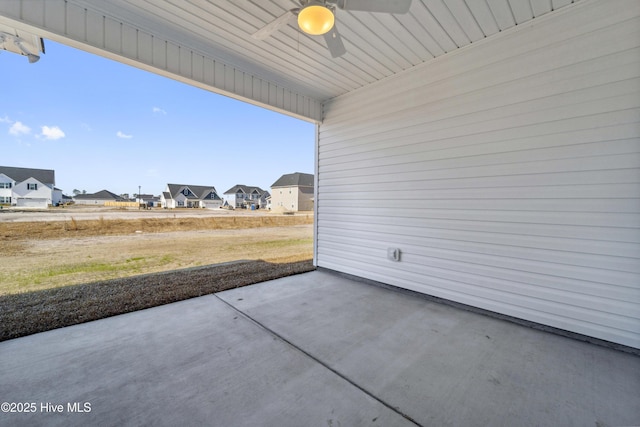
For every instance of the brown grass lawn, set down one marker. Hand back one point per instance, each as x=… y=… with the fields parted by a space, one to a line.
x=60 y=273
x=20 y=231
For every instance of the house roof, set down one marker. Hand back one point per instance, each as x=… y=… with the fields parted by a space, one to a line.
x=45 y=176
x=199 y=191
x=100 y=195
x=289 y=71
x=297 y=179
x=244 y=188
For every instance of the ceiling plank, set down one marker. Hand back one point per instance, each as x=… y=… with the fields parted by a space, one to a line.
x=483 y=15
x=465 y=19
x=443 y=15
x=540 y=7
x=502 y=13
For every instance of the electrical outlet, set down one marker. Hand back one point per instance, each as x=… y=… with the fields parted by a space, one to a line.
x=393 y=254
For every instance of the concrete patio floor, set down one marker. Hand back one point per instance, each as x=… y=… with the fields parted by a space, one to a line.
x=316 y=349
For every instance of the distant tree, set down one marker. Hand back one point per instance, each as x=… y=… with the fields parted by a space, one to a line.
x=125 y=195
x=84 y=191
x=76 y=191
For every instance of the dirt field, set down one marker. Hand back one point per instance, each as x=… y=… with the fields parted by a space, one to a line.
x=66 y=247
x=67 y=266
x=80 y=213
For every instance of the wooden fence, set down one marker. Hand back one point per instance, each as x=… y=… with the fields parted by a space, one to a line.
x=122 y=204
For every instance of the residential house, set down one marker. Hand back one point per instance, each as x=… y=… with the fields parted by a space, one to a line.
x=98 y=199
x=190 y=196
x=293 y=192
x=149 y=199
x=28 y=188
x=64 y=199
x=243 y=196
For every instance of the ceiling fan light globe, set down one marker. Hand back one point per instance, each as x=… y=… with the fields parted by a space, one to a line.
x=315 y=20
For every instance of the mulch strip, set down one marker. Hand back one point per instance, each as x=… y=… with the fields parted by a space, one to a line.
x=33 y=312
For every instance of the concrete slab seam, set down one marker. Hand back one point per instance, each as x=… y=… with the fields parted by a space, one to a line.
x=320 y=362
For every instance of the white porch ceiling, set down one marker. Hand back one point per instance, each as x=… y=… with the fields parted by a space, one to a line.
x=378 y=45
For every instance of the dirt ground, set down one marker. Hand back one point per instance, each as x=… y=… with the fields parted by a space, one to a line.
x=79 y=213
x=58 y=248
x=63 y=267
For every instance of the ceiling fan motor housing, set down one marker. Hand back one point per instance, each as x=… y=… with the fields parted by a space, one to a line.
x=317 y=17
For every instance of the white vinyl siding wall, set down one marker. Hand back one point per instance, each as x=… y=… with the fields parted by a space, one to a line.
x=32 y=193
x=508 y=173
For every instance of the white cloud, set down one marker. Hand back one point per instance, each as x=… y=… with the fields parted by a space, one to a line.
x=18 y=129
x=53 y=132
x=5 y=119
x=158 y=110
x=122 y=135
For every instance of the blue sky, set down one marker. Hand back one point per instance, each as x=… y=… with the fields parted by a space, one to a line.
x=104 y=125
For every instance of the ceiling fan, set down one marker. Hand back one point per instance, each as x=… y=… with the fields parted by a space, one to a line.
x=317 y=17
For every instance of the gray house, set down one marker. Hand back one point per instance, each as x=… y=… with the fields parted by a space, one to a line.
x=494 y=144
x=244 y=196
x=97 y=199
x=28 y=188
x=190 y=196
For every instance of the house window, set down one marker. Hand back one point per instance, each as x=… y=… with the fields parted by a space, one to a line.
x=5 y=185
x=180 y=203
x=32 y=186
x=5 y=200
x=185 y=191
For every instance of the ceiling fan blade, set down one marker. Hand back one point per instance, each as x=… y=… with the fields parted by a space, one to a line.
x=275 y=25
x=334 y=42
x=383 y=6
